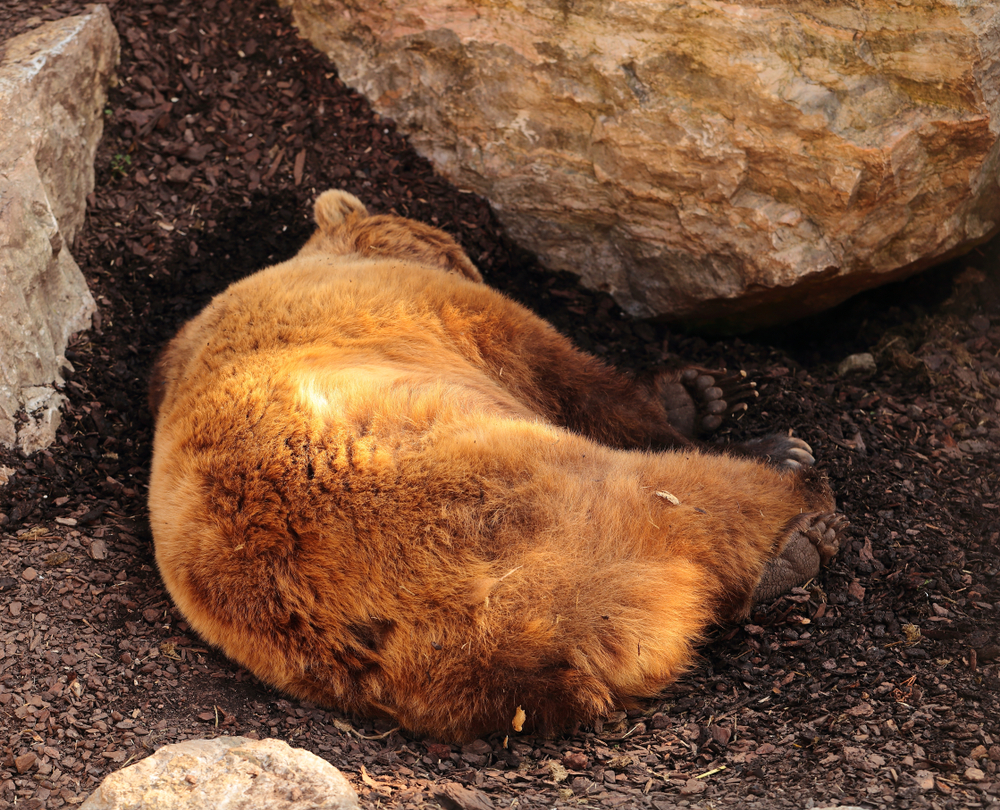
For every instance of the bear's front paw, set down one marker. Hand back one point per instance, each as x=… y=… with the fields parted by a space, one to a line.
x=698 y=401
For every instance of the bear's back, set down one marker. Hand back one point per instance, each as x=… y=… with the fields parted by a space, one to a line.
x=349 y=317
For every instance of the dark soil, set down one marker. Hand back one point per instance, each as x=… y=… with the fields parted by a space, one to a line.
x=877 y=686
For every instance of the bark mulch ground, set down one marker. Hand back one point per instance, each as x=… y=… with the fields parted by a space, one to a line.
x=879 y=685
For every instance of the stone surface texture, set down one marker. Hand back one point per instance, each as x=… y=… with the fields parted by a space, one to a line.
x=53 y=85
x=226 y=773
x=723 y=163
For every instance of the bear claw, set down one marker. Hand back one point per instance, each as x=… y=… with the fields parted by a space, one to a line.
x=789 y=452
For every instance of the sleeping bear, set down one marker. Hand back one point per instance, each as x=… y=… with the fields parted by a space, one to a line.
x=384 y=487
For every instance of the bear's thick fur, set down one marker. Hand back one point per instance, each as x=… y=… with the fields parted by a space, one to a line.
x=384 y=487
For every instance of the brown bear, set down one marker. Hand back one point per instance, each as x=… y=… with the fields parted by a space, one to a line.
x=382 y=486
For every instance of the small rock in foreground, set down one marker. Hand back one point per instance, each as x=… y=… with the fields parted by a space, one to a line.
x=863 y=363
x=227 y=773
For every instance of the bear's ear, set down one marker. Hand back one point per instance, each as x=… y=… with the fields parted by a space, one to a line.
x=334 y=206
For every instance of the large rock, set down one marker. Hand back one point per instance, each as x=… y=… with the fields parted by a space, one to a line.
x=227 y=773
x=736 y=163
x=53 y=85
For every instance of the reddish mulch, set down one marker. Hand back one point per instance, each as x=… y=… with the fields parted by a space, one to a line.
x=878 y=686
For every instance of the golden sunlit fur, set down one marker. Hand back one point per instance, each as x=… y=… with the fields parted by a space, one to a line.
x=384 y=487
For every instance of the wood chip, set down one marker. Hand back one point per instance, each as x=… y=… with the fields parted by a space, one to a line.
x=300 y=164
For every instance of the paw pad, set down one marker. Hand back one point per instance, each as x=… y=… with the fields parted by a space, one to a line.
x=699 y=401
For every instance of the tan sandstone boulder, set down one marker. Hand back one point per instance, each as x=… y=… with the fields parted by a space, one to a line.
x=227 y=773
x=728 y=164
x=53 y=85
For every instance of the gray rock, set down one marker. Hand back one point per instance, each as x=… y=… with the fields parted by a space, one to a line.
x=727 y=164
x=53 y=86
x=227 y=773
x=863 y=363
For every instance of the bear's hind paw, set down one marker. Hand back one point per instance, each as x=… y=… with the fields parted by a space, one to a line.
x=825 y=534
x=812 y=541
